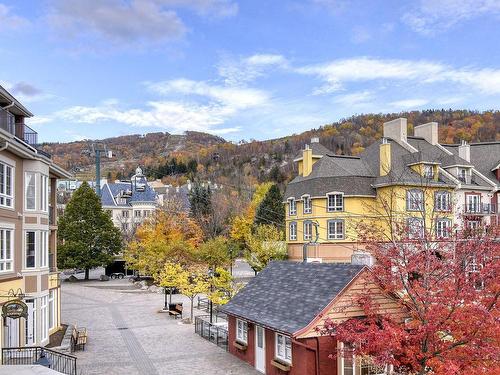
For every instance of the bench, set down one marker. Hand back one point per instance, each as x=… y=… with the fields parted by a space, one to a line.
x=78 y=338
x=175 y=310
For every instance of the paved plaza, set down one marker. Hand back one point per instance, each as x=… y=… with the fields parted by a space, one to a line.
x=127 y=334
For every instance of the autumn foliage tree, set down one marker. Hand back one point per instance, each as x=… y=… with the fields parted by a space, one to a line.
x=448 y=293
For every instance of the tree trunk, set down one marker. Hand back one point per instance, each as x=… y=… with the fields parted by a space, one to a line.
x=87 y=270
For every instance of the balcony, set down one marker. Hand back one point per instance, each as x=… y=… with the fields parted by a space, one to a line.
x=480 y=209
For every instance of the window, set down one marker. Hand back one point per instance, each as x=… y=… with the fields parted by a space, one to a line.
x=472 y=202
x=335 y=229
x=349 y=364
x=52 y=308
x=124 y=226
x=283 y=350
x=307 y=205
x=6 y=188
x=428 y=171
x=30 y=191
x=146 y=213
x=30 y=249
x=44 y=193
x=414 y=200
x=241 y=331
x=137 y=213
x=443 y=227
x=415 y=227
x=462 y=174
x=44 y=319
x=307 y=230
x=473 y=273
x=292 y=229
x=292 y=207
x=473 y=224
x=6 y=250
x=346 y=359
x=44 y=248
x=442 y=200
x=335 y=202
x=124 y=213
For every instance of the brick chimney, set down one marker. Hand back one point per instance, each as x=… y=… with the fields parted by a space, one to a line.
x=428 y=131
x=464 y=151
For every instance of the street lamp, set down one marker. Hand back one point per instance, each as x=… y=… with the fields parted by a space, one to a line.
x=211 y=274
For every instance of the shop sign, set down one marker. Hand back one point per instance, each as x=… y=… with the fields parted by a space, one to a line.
x=15 y=309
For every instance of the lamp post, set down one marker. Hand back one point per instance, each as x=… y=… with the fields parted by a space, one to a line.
x=165 y=304
x=211 y=274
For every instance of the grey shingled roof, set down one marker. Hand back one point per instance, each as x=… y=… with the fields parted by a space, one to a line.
x=111 y=190
x=484 y=156
x=317 y=149
x=287 y=296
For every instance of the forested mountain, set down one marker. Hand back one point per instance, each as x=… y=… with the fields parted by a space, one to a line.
x=198 y=155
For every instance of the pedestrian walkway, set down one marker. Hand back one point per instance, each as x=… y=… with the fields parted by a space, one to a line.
x=127 y=334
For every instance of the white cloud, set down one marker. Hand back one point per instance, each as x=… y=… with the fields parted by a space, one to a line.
x=11 y=21
x=360 y=35
x=409 y=103
x=336 y=73
x=355 y=98
x=244 y=70
x=38 y=120
x=219 y=8
x=431 y=16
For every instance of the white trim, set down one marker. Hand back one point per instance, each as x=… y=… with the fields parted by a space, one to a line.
x=242 y=335
x=26 y=190
x=283 y=357
x=7 y=260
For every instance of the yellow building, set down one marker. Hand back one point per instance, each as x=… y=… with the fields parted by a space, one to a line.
x=398 y=180
x=30 y=295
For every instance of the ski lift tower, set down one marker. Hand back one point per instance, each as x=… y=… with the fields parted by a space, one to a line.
x=95 y=150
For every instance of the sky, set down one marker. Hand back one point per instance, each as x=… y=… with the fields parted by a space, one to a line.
x=242 y=69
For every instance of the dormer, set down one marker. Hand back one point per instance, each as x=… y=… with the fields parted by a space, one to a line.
x=309 y=156
x=427 y=170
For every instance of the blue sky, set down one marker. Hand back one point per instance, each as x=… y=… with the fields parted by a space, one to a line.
x=242 y=69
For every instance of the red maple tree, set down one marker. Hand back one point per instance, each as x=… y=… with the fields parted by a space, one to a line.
x=448 y=292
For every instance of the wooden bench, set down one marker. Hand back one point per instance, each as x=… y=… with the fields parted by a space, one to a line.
x=175 y=311
x=78 y=338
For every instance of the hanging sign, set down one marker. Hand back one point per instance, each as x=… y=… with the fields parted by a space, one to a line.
x=15 y=309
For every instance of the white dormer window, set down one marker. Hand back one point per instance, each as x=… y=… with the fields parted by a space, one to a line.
x=307 y=204
x=292 y=207
x=428 y=171
x=335 y=202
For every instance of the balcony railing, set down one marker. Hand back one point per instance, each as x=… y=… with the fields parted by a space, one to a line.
x=480 y=209
x=213 y=332
x=34 y=355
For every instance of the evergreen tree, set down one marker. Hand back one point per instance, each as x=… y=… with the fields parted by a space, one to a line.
x=271 y=210
x=200 y=201
x=87 y=236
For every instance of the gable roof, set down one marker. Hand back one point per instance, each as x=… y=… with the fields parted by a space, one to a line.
x=287 y=296
x=111 y=190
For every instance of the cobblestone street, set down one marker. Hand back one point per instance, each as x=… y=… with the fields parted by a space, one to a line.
x=127 y=334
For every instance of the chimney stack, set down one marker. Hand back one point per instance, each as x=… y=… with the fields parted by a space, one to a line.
x=464 y=151
x=385 y=157
x=307 y=161
x=314 y=140
x=428 y=131
x=396 y=130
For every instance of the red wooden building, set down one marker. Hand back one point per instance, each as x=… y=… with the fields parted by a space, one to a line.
x=273 y=321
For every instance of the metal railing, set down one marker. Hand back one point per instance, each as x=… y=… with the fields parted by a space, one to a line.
x=213 y=332
x=32 y=355
x=480 y=208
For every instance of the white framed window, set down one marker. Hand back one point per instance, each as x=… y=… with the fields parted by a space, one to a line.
x=124 y=213
x=44 y=193
x=283 y=348
x=335 y=229
x=52 y=308
x=241 y=331
x=146 y=213
x=442 y=201
x=137 y=213
x=44 y=248
x=124 y=226
x=307 y=230
x=292 y=231
x=6 y=186
x=44 y=318
x=30 y=191
x=428 y=171
x=415 y=227
x=473 y=203
x=443 y=228
x=473 y=224
x=6 y=250
x=473 y=272
x=30 y=249
x=350 y=364
x=414 y=200
x=306 y=204
x=292 y=207
x=335 y=202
